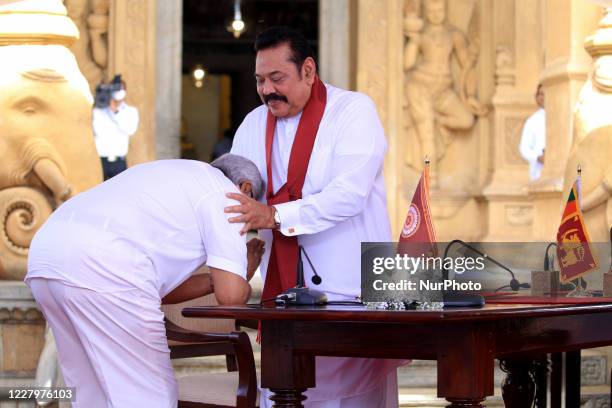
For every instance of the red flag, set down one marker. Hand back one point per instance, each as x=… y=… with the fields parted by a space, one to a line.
x=574 y=250
x=418 y=227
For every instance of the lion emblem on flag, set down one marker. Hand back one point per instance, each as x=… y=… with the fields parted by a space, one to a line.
x=413 y=220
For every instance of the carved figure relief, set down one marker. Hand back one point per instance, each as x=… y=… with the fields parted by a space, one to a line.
x=592 y=136
x=46 y=141
x=437 y=105
x=91 y=49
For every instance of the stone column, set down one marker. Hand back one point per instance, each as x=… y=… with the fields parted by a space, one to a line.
x=22 y=329
x=168 y=85
x=380 y=75
x=566 y=25
x=132 y=45
x=518 y=44
x=334 y=42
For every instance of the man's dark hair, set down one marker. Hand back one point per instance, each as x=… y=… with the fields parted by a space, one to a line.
x=275 y=36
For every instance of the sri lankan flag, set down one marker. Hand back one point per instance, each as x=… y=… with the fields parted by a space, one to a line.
x=574 y=248
x=418 y=236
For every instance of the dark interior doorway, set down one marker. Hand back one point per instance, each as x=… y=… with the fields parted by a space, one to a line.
x=229 y=62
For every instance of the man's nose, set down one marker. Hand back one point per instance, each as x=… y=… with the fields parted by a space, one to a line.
x=267 y=88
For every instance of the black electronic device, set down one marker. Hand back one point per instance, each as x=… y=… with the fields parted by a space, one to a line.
x=300 y=295
x=105 y=91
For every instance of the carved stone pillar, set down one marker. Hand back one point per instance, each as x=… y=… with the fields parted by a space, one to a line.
x=334 y=42
x=566 y=24
x=379 y=75
x=22 y=329
x=518 y=63
x=132 y=41
x=168 y=83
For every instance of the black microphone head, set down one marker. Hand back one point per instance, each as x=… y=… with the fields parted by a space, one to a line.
x=515 y=285
x=316 y=280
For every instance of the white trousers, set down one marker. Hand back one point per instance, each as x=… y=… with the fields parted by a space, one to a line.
x=112 y=346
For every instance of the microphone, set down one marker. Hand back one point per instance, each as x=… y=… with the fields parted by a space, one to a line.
x=316 y=279
x=515 y=285
x=300 y=294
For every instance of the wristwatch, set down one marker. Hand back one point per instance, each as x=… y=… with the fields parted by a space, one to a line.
x=277 y=220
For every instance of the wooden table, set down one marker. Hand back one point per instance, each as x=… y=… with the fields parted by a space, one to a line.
x=464 y=342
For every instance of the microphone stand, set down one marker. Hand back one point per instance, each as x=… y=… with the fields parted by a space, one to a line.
x=455 y=298
x=515 y=285
x=300 y=295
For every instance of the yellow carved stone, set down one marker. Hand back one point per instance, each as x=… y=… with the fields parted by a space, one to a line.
x=91 y=49
x=437 y=107
x=592 y=135
x=46 y=141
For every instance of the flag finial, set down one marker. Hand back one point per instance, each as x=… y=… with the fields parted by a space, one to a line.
x=579 y=169
x=426 y=160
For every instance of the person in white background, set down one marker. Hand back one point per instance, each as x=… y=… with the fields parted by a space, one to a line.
x=113 y=126
x=533 y=138
x=323 y=168
x=105 y=260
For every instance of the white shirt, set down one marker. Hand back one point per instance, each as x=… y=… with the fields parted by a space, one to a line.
x=343 y=204
x=344 y=200
x=533 y=142
x=112 y=131
x=149 y=227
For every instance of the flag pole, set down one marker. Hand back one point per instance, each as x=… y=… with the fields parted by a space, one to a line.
x=580 y=290
x=426 y=173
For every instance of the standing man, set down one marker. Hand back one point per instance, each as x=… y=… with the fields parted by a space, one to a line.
x=320 y=151
x=113 y=126
x=533 y=138
x=106 y=259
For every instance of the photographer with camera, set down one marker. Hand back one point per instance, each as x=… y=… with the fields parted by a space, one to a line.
x=114 y=122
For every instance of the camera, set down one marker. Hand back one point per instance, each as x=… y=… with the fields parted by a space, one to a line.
x=104 y=91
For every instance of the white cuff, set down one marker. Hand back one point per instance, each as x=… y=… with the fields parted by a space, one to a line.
x=213 y=261
x=289 y=214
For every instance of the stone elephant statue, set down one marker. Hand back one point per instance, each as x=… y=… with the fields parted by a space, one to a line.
x=47 y=148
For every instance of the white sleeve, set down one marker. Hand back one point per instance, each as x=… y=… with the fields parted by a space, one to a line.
x=127 y=119
x=527 y=146
x=225 y=247
x=357 y=161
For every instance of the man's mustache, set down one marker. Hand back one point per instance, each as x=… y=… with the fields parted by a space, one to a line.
x=274 y=97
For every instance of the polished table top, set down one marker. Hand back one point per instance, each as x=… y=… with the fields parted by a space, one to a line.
x=361 y=313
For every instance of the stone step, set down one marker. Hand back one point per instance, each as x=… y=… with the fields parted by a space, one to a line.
x=591 y=397
x=422 y=373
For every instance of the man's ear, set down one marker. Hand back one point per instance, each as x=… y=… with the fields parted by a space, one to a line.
x=246 y=188
x=309 y=70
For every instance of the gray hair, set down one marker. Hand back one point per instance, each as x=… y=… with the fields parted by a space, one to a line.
x=239 y=169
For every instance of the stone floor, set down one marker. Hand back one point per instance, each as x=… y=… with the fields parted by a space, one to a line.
x=417 y=383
